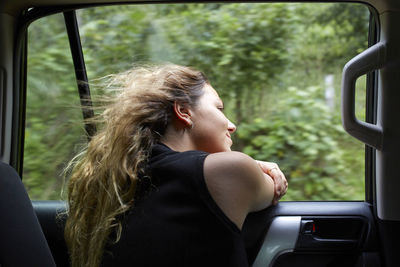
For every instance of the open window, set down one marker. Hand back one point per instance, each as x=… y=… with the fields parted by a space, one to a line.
x=276 y=66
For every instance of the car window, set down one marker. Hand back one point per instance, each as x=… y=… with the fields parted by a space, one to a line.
x=53 y=130
x=276 y=66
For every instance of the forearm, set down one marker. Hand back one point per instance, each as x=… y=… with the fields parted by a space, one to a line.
x=280 y=183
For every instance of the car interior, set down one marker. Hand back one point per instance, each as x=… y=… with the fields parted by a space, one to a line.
x=292 y=233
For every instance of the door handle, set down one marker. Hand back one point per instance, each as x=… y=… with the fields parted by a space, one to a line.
x=330 y=234
x=369 y=60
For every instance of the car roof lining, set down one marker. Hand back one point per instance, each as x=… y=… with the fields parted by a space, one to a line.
x=15 y=7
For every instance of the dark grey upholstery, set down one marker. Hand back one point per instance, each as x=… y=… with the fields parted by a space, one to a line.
x=22 y=242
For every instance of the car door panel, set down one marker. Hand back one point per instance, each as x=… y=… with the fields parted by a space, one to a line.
x=300 y=233
x=312 y=234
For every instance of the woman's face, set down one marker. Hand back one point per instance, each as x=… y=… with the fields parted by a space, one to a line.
x=211 y=129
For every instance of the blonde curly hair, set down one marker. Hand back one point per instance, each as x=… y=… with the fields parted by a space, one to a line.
x=105 y=176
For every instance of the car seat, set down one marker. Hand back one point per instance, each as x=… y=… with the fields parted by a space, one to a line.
x=22 y=242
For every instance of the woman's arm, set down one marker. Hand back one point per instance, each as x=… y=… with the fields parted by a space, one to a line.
x=281 y=184
x=238 y=184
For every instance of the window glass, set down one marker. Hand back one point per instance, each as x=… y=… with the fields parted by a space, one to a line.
x=276 y=66
x=54 y=129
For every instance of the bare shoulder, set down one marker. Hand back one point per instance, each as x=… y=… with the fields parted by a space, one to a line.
x=237 y=184
x=230 y=161
x=233 y=171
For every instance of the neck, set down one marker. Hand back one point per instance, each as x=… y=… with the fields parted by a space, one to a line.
x=177 y=139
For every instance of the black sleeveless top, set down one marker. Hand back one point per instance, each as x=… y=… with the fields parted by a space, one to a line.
x=177 y=223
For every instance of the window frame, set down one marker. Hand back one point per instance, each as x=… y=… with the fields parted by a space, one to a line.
x=20 y=81
x=371 y=111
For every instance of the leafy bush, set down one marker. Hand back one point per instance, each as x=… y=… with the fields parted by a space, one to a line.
x=304 y=137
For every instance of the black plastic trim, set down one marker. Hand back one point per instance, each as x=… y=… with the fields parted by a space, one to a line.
x=80 y=71
x=19 y=98
x=390 y=244
x=318 y=259
x=371 y=111
x=2 y=109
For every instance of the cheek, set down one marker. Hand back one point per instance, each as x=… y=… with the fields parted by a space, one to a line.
x=211 y=123
x=218 y=124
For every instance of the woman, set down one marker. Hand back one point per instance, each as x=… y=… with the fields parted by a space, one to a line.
x=158 y=184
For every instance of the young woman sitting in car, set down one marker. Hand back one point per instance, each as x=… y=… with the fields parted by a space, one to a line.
x=158 y=185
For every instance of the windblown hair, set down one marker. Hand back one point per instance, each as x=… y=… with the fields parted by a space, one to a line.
x=105 y=176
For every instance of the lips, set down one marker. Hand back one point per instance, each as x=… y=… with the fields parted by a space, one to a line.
x=230 y=140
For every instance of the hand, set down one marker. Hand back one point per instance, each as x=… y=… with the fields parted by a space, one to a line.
x=280 y=182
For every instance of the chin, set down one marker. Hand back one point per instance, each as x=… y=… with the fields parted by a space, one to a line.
x=218 y=150
x=226 y=149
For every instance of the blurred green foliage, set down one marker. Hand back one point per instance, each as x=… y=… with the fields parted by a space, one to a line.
x=53 y=117
x=309 y=144
x=267 y=61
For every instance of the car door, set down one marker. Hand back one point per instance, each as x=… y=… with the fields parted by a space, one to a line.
x=327 y=234
x=292 y=233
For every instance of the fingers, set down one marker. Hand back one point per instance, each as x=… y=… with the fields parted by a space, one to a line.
x=279 y=178
x=280 y=182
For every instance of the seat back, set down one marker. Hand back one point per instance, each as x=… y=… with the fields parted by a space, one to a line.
x=22 y=242
x=51 y=215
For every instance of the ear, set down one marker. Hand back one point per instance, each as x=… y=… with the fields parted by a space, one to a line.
x=183 y=114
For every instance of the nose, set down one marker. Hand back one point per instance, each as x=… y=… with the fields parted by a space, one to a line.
x=231 y=127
